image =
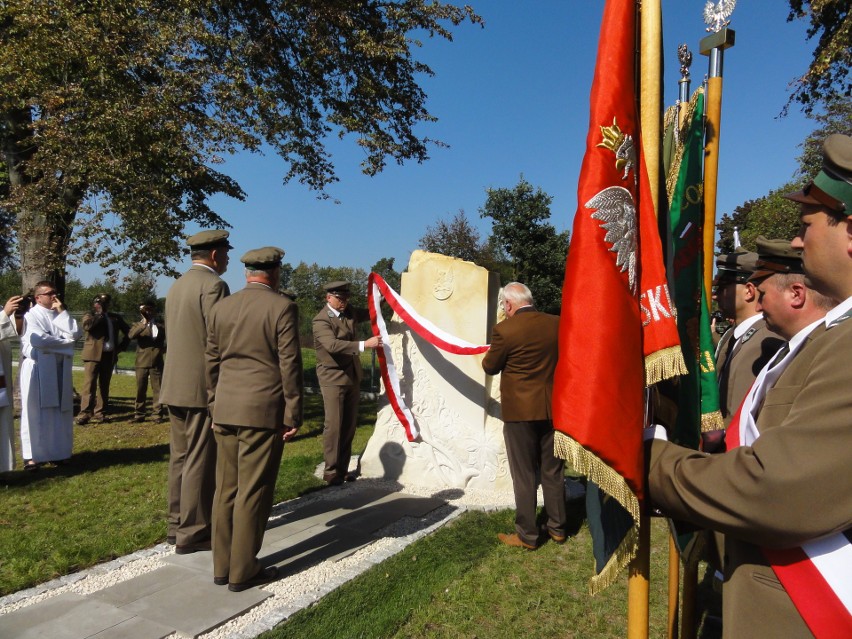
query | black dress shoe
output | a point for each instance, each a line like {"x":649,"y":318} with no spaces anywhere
{"x":333,"y":480}
{"x":171,"y":540}
{"x":264,"y":576}
{"x":220,"y":581}
{"x":188,"y":549}
{"x":351,"y":476}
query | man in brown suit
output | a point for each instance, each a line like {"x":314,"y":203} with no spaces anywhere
{"x":150,"y":336}
{"x":255,"y":389}
{"x":524,"y":350}
{"x":339,"y":373}
{"x":749,"y":344}
{"x":784,"y":500}
{"x":192,"y":449}
{"x":100,"y":353}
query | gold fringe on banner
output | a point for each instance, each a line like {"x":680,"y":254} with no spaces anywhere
{"x":664,"y":364}
{"x":613,"y":484}
{"x":712,"y":421}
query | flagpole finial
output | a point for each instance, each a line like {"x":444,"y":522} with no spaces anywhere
{"x":716,"y":14}
{"x":684,"y":56}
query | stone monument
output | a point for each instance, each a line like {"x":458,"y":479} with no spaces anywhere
{"x":454,"y":403}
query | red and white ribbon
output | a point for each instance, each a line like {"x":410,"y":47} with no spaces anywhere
{"x":378,"y":290}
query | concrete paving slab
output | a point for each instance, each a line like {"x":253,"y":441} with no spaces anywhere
{"x":195,"y":605}
{"x":66,"y":616}
{"x":136,"y":628}
{"x":201,"y":562}
{"x":145,"y":585}
{"x":312,"y":546}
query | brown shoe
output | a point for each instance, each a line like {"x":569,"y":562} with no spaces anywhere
{"x":188,"y":549}
{"x":556,"y":539}
{"x":264,"y":576}
{"x":82,"y":420}
{"x":515,"y":541}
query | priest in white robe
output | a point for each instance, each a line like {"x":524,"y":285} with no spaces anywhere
{"x":8,"y":331}
{"x":47,"y":394}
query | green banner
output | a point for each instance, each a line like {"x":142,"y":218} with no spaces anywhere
{"x":698,"y":392}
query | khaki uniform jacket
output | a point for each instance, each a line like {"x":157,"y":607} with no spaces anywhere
{"x":524,"y":348}
{"x":791,"y":486}
{"x":97,"y":333}
{"x":188,"y":305}
{"x":757,"y":346}
{"x":254,"y":360}
{"x":149,"y":349}
{"x":338,"y":355}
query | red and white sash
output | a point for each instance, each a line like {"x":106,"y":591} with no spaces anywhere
{"x":377,"y":290}
{"x":818,"y":574}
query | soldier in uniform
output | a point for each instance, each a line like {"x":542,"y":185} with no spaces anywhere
{"x":192,"y":449}
{"x":749,"y":344}
{"x":100,"y":354}
{"x":339,"y":373}
{"x":150,"y":336}
{"x":783,"y":496}
{"x":255,"y":391}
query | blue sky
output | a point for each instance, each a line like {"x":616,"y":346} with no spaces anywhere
{"x":512,"y":99}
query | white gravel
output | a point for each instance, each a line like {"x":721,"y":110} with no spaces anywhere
{"x":297,"y":591}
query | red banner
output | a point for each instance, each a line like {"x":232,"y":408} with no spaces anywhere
{"x":617,"y":331}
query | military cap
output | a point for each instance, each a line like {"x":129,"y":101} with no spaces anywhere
{"x":210,"y":239}
{"x":776,"y":256}
{"x":151,"y":303}
{"x":832,"y":187}
{"x":103,"y":298}
{"x":738,"y":265}
{"x":263,"y":259}
{"x":286,"y":292}
{"x":338,"y":286}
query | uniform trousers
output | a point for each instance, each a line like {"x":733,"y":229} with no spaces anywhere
{"x":96,"y":377}
{"x":529,"y":448}
{"x":143,"y":374}
{"x":341,"y":417}
{"x":246,"y":469}
{"x":192,"y":475}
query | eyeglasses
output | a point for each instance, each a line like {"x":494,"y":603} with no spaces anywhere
{"x":48,"y":293}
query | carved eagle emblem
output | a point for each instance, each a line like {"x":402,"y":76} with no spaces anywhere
{"x":617,"y":214}
{"x":716,"y":14}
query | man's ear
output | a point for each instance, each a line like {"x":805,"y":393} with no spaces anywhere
{"x":798,"y":294}
{"x":750,"y":292}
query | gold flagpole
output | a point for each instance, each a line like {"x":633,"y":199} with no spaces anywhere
{"x":650,"y":102}
{"x":713,"y":46}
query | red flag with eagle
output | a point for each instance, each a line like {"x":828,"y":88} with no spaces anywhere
{"x":617,"y":330}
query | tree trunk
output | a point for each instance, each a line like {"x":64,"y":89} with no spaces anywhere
{"x":42,"y":236}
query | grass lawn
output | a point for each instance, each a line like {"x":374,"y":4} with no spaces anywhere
{"x":458,"y":582}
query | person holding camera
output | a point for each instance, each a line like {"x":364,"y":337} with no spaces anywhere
{"x":100,"y":354}
{"x":47,"y":394}
{"x":150,"y":336}
{"x":10,"y":327}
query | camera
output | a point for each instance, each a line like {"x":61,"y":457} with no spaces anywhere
{"x":26,"y":304}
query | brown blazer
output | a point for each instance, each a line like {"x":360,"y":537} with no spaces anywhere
{"x":254,"y":360}
{"x":149,"y":349}
{"x":754,"y":350}
{"x":97,"y":334}
{"x":338,"y":356}
{"x":791,"y":486}
{"x":188,"y":305}
{"x":524,"y":348}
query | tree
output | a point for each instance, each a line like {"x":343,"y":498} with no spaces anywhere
{"x":837,"y":118}
{"x":535,"y":250}
{"x":456,"y":238}
{"x":113,"y":114}
{"x":384,"y":267}
{"x":772,"y":216}
{"x":827,"y":77}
